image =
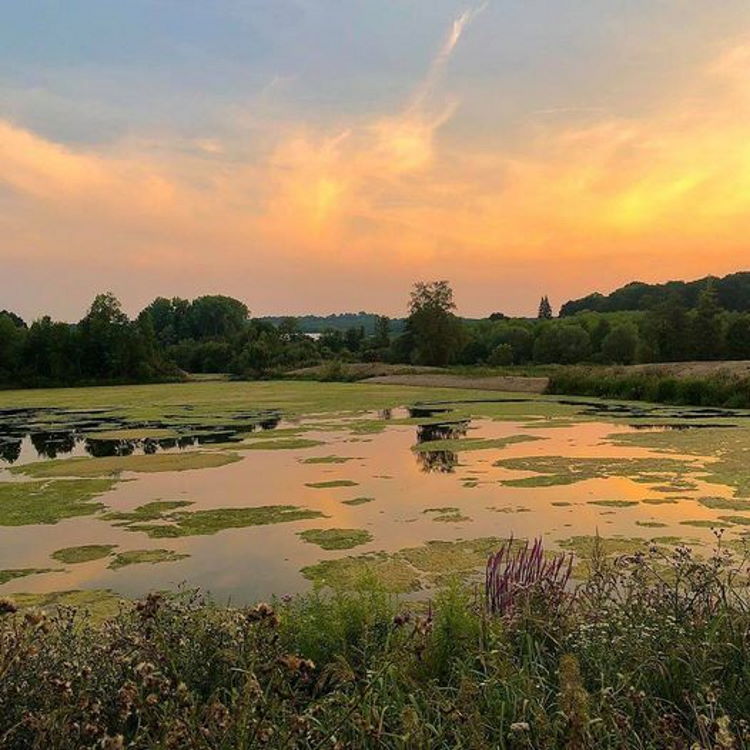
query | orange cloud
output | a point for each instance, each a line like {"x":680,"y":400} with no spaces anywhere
{"x":394,"y":192}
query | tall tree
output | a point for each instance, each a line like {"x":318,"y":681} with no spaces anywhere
{"x":707,"y":327}
{"x":437,"y":332}
{"x":382,"y":337}
{"x":545,"y":309}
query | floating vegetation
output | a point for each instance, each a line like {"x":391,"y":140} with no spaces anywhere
{"x":358,"y":500}
{"x":336,"y":538}
{"x":206,"y":522}
{"x":331,"y":484}
{"x":614,"y":503}
{"x":151,"y":556}
{"x":724,"y":503}
{"x":730,"y":446}
{"x":408,"y":569}
{"x":327,"y":459}
{"x":11,"y":574}
{"x":662,"y":500}
{"x":511,"y":508}
{"x":472,"y":444}
{"x":98,"y":604}
{"x":83,"y":553}
{"x":279,"y":445}
{"x":651,"y":524}
{"x":701,"y":523}
{"x":133,"y":433}
{"x":561,"y":470}
{"x":100,"y":467}
{"x":152,"y":511}
{"x":447,"y":514}
{"x":28,"y":503}
{"x":736,"y":520}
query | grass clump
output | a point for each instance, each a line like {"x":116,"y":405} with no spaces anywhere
{"x":48,"y":502}
{"x":336,"y":538}
{"x":151,"y":556}
{"x":100,"y":467}
{"x":83,"y":553}
{"x":614,"y":503}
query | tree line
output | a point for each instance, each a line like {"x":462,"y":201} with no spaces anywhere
{"x":215,"y":333}
{"x":732,"y":292}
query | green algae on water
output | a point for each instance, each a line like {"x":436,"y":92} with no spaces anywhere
{"x":407,"y":570}
{"x":13,"y":573}
{"x":358,"y":501}
{"x":152,"y":511}
{"x":614,"y":503}
{"x":472,"y":444}
{"x":207,"y":522}
{"x":83,"y":553}
{"x":331,"y":484}
{"x":48,"y":502}
{"x":151,"y":556}
{"x":100,"y":467}
{"x":336,"y":538}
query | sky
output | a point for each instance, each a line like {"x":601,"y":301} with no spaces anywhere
{"x":318,"y":156}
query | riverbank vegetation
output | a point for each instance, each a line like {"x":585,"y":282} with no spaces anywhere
{"x":650,"y":651}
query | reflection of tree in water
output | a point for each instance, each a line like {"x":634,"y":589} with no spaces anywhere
{"x":10,"y":450}
{"x":441,"y":431}
{"x":106,"y":448}
{"x":442,"y":461}
{"x":50,"y":444}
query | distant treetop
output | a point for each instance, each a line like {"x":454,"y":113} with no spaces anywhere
{"x":732,"y":293}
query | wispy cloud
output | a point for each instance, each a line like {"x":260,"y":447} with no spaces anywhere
{"x":441,"y":59}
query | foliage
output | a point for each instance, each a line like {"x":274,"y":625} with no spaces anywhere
{"x":722,"y":389}
{"x":435,"y":331}
{"x":649,"y":652}
{"x":733,"y":293}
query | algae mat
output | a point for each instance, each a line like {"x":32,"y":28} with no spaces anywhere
{"x":251,"y":489}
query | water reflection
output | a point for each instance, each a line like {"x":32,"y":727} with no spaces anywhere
{"x":443,"y":460}
{"x":21,"y":438}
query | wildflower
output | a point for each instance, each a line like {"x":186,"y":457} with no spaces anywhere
{"x":520,"y":726}
{"x":113,"y":743}
{"x":263,"y":613}
{"x":401,"y":619}
{"x":33,"y":616}
{"x":148,"y":607}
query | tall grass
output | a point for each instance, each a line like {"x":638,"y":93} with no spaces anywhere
{"x":652,"y":651}
{"x":720,"y":390}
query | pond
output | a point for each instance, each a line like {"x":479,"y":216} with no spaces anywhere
{"x":272,"y":497}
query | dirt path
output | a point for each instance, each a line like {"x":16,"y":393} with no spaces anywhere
{"x":441,"y":380}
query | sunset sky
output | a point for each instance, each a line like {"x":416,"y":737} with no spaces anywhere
{"x":321,"y":155}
